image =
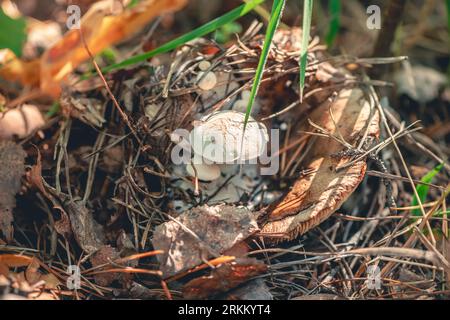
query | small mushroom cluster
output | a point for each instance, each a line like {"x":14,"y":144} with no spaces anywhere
{"x":220,"y":139}
{"x":223,"y":158}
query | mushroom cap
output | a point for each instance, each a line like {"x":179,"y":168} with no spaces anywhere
{"x":220,"y":137}
{"x":204,"y":65}
{"x":206,"y":81}
{"x":203,"y":171}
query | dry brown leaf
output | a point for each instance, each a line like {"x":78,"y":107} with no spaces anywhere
{"x":20,"y":122}
{"x":75,"y":219}
{"x":88,"y":232}
{"x":100,"y":29}
{"x":105,"y":255}
{"x":16,"y":70}
{"x":199,"y":234}
{"x":34,"y":179}
{"x":315,"y":197}
{"x":223,"y":278}
{"x":32,"y":275}
{"x":15,"y":260}
{"x":12,"y":167}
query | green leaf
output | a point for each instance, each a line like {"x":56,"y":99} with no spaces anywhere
{"x":12,"y":33}
{"x":307,"y":14}
{"x":422,"y":189}
{"x":132,"y":3}
{"x":275,"y":16}
{"x":54,"y":109}
{"x":335,"y":22}
{"x":194,"y":34}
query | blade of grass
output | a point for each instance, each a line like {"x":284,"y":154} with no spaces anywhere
{"x":307,"y":13}
{"x":275,"y":16}
{"x":448,"y":14}
{"x":194,"y":34}
{"x":335,"y":22}
{"x":13,"y":33}
{"x":422,"y":189}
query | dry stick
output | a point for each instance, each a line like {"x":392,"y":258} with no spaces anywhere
{"x":380,"y":145}
{"x":353,"y":218}
{"x":166,"y":290}
{"x":92,"y":166}
{"x":395,"y":177}
{"x":113,"y":98}
{"x":400,"y":252}
{"x":442,"y":260}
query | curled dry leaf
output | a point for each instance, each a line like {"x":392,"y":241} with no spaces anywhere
{"x":101,"y":27}
{"x":12,"y":168}
{"x":20,"y":122}
{"x":16,"y":70}
{"x":75,"y":219}
{"x":314,"y":197}
{"x":15,"y":260}
{"x":199,"y":234}
{"x":32,"y":273}
{"x":88,"y":232}
{"x":35,"y":180}
{"x":105,"y":255}
{"x":224,"y":278}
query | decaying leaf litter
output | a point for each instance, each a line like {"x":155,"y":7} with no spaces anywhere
{"x":99,"y":188}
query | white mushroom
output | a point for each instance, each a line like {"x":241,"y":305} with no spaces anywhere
{"x":220,"y":138}
{"x":206,"y":81}
{"x":204,"y":65}
{"x":20,"y":121}
{"x":203,"y":171}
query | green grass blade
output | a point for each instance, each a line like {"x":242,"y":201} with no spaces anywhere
{"x":275,"y":16}
{"x":422,"y":190}
{"x":194,"y":34}
{"x":307,"y":14}
{"x":335,"y":22}
{"x":448,"y":14}
{"x":12,"y":33}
